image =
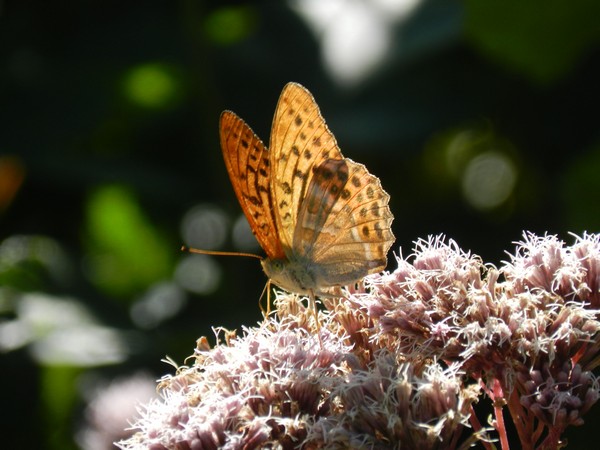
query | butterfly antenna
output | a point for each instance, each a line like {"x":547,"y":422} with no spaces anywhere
{"x":185,"y":248}
{"x":267,"y":288}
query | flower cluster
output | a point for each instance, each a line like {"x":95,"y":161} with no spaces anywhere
{"x":400,"y":359}
{"x":264,"y":388}
{"x":531,"y":339}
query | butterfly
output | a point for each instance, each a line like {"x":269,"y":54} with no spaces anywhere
{"x":322,"y":219}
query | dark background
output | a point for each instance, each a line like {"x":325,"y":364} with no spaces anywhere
{"x":480,"y":119}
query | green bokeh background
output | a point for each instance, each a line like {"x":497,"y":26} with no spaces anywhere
{"x":109,"y":135}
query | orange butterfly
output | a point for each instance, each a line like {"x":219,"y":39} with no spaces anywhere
{"x":322,"y":219}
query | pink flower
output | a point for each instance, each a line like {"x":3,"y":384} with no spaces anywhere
{"x":401,"y":358}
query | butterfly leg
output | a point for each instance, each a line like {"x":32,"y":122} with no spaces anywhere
{"x":267,"y":312}
{"x":315,"y":311}
{"x":266,"y":289}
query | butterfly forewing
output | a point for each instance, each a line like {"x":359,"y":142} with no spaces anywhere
{"x":300,"y":140}
{"x":249,"y":167}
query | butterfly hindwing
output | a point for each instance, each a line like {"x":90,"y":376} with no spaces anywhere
{"x":360,"y":222}
{"x":344,"y":222}
{"x":326,"y":186}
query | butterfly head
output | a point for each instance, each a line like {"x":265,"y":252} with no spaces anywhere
{"x":293,"y":276}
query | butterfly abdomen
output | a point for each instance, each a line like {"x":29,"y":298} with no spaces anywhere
{"x":303,"y":276}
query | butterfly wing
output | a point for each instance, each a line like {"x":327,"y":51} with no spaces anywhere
{"x":249,"y":167}
{"x":344,"y":222}
{"x":300,"y":141}
{"x":331,"y":211}
{"x":323,"y":194}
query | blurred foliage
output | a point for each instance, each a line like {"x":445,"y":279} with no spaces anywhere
{"x":125,"y":253}
{"x":478,"y":116}
{"x":542,"y":39}
{"x":58,"y":400}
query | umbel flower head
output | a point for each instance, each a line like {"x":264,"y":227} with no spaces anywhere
{"x":400,"y":360}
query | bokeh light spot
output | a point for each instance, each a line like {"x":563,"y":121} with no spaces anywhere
{"x":152,"y":86}
{"x":461,"y":147}
{"x":489,"y":180}
{"x":12,"y":173}
{"x":476,"y":163}
{"x":205,"y":227}
{"x":161,"y":302}
{"x":199,"y":274}
{"x":242,"y":236}
{"x":230,"y":24}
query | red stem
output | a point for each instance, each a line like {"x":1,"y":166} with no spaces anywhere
{"x":498,"y":402}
